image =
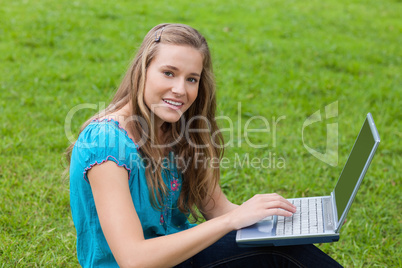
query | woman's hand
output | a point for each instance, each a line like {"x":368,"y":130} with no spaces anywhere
{"x":258,"y":207}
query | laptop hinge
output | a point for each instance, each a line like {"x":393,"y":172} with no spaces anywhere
{"x":334,"y":211}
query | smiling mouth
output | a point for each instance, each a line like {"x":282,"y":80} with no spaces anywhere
{"x":175,"y":103}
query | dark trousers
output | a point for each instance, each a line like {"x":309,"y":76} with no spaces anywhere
{"x":226,"y":253}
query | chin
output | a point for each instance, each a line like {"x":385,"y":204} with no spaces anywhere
{"x":171,"y":120}
{"x":168,"y":119}
{"x":171,"y":117}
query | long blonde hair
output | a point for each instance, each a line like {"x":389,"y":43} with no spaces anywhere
{"x":199,"y":181}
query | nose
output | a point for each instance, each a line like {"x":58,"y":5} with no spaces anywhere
{"x":179,"y":88}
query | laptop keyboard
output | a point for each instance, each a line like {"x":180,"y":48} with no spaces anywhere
{"x":306,"y":220}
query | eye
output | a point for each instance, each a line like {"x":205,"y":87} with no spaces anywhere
{"x":167,"y":73}
{"x":192,"y":80}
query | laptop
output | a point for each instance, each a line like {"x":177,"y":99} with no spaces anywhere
{"x":318,"y":219}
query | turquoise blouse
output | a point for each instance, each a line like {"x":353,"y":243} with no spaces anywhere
{"x":103,"y":141}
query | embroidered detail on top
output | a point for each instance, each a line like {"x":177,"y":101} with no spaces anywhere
{"x":174,"y":184}
{"x":175,"y":187}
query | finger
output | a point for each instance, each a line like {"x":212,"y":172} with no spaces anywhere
{"x":278,"y":197}
{"x":280,"y":202}
{"x":279,"y":212}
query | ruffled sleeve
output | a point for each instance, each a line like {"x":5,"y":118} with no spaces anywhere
{"x":100,"y":142}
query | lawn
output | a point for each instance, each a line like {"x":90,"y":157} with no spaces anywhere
{"x":276,"y":63}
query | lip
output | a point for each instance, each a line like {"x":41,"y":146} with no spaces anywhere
{"x":172,"y":106}
{"x":175,"y":100}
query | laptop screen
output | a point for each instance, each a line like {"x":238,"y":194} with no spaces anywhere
{"x":356,"y":166}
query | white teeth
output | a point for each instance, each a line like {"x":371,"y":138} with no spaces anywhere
{"x":173,"y":102}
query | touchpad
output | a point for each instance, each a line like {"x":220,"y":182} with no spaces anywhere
{"x":265,"y":225}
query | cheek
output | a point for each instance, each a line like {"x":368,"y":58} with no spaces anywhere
{"x":193,"y":95}
{"x":148,"y":96}
{"x":150,"y":90}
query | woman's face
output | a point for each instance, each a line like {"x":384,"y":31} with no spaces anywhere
{"x":172,"y":82}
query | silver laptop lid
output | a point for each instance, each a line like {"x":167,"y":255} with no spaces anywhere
{"x":355,"y":168}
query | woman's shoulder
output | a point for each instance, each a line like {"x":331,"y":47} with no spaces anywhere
{"x":120,"y":119}
{"x":103,"y":139}
{"x":105,"y":128}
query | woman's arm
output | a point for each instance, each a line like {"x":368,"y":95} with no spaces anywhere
{"x":122,"y":228}
{"x":216,"y":205}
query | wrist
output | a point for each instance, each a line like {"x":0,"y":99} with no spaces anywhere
{"x":228,"y":222}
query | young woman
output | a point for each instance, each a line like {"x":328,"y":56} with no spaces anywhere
{"x":149,"y":160}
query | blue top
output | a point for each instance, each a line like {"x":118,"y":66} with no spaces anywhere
{"x":103,"y":141}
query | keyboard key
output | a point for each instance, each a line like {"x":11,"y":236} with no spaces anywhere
{"x":307,"y":219}
{"x":279,"y":231}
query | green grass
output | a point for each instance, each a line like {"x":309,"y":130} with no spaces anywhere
{"x":277,"y":58}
